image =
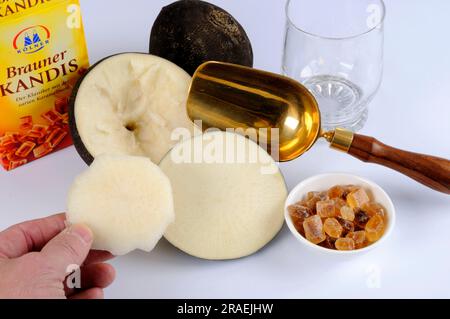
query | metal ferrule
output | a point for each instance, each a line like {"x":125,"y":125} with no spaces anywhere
{"x":342,"y":140}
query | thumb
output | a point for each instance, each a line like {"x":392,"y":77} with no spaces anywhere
{"x":70,"y":247}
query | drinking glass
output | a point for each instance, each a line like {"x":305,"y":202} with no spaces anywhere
{"x":335,"y":48}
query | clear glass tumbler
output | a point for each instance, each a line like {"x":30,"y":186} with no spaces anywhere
{"x":335,"y":48}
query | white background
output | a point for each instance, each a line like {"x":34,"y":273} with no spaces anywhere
{"x":412,"y":111}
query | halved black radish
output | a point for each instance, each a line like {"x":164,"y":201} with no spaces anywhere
{"x":129,"y":104}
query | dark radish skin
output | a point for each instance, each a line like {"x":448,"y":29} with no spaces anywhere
{"x":191,"y":32}
{"x":77,"y":142}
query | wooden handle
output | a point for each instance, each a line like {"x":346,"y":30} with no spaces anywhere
{"x":431,"y":171}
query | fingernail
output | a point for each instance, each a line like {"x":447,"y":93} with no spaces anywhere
{"x":83,"y":232}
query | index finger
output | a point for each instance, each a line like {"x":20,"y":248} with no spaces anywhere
{"x":30,"y":236}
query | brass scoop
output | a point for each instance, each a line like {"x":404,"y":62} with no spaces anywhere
{"x":225,"y":96}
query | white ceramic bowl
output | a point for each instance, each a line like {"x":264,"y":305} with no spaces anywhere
{"x":323,"y":183}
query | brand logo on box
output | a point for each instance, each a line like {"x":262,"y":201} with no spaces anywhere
{"x":32,"y":39}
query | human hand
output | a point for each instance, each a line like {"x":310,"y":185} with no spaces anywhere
{"x":35,"y":256}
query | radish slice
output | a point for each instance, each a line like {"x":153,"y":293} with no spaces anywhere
{"x":224,"y":209}
{"x":126,"y":201}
